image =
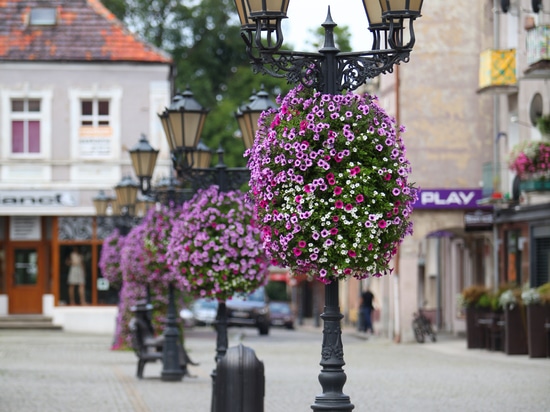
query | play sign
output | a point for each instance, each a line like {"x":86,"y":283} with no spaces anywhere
{"x":448,"y":199}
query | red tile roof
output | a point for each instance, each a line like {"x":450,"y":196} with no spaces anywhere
{"x":85,"y":31}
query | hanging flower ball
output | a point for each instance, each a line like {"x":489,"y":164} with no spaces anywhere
{"x":133,"y":257}
{"x":215,"y":245}
{"x":109,"y":261}
{"x":329,"y":181}
{"x":157,"y":226}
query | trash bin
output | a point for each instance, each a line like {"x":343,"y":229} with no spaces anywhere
{"x":240,"y":381}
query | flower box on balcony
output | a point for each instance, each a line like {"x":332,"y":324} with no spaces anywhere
{"x":534,"y":185}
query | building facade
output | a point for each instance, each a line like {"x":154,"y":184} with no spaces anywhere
{"x":522,"y":220}
{"x":76,"y":92}
{"x":475,"y":85}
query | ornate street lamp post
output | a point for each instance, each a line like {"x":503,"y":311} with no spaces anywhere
{"x":183,"y":122}
{"x":329,"y":71}
{"x":123,"y":206}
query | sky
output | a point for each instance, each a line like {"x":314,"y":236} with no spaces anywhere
{"x":305,"y":15}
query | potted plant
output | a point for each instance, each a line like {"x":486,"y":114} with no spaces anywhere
{"x":515,"y":322}
{"x":543,"y":124}
{"x":537,"y":302}
{"x":477,"y":303}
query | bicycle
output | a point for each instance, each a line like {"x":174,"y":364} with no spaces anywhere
{"x":422,"y":327}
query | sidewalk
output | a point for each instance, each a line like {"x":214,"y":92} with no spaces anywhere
{"x":46,"y":371}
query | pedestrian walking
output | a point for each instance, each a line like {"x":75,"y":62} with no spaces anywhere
{"x":367,"y":306}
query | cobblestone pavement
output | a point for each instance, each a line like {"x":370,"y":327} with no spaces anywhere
{"x":47,"y":371}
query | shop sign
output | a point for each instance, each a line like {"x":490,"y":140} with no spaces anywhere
{"x":25,"y":228}
{"x":478,"y":220}
{"x":448,"y":198}
{"x":45,"y":198}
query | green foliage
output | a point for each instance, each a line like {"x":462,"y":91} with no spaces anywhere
{"x":543,"y":124}
{"x":117,"y":7}
{"x":475,"y":296}
{"x":544,"y":292}
{"x":484,"y":301}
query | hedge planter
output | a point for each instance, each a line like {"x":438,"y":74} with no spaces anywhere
{"x":536,"y":333}
{"x":515,"y":331}
{"x":474,"y":332}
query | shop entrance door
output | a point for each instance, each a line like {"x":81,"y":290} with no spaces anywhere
{"x":25,"y":284}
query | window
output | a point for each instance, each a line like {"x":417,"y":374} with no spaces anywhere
{"x":540,"y":272}
{"x":95,"y":126}
{"x":25,"y":126}
{"x":513,"y":257}
{"x":95,"y":131}
{"x":94,"y":113}
{"x":42,"y":16}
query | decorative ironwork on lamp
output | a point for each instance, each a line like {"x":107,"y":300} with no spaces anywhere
{"x":389,"y":19}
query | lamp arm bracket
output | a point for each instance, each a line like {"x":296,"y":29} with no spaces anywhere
{"x":230,"y":178}
{"x":352,"y":68}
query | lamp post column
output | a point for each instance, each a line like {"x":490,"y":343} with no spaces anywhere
{"x":332,"y":377}
{"x":222,"y":343}
{"x":171,"y":369}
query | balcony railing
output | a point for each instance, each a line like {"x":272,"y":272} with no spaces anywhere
{"x":538,"y":51}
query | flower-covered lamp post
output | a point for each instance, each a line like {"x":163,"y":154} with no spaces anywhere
{"x":328,"y":171}
{"x":182,"y":122}
{"x":183,"y":126}
{"x":215,"y":248}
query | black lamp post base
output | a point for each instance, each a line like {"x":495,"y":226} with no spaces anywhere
{"x":332,"y":404}
{"x":332,"y":376}
{"x":172,"y":375}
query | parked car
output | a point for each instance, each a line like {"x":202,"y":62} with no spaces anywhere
{"x":281,"y":314}
{"x":249,"y":310}
{"x":204,"y":311}
{"x":188,"y":318}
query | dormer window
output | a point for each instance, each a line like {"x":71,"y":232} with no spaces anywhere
{"x":42,"y":16}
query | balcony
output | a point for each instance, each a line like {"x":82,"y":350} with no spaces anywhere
{"x":538,"y":52}
{"x":497,"y":72}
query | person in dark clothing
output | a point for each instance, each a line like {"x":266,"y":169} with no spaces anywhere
{"x":367,"y":306}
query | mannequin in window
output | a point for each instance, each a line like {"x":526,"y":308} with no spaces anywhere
{"x":77,"y":276}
